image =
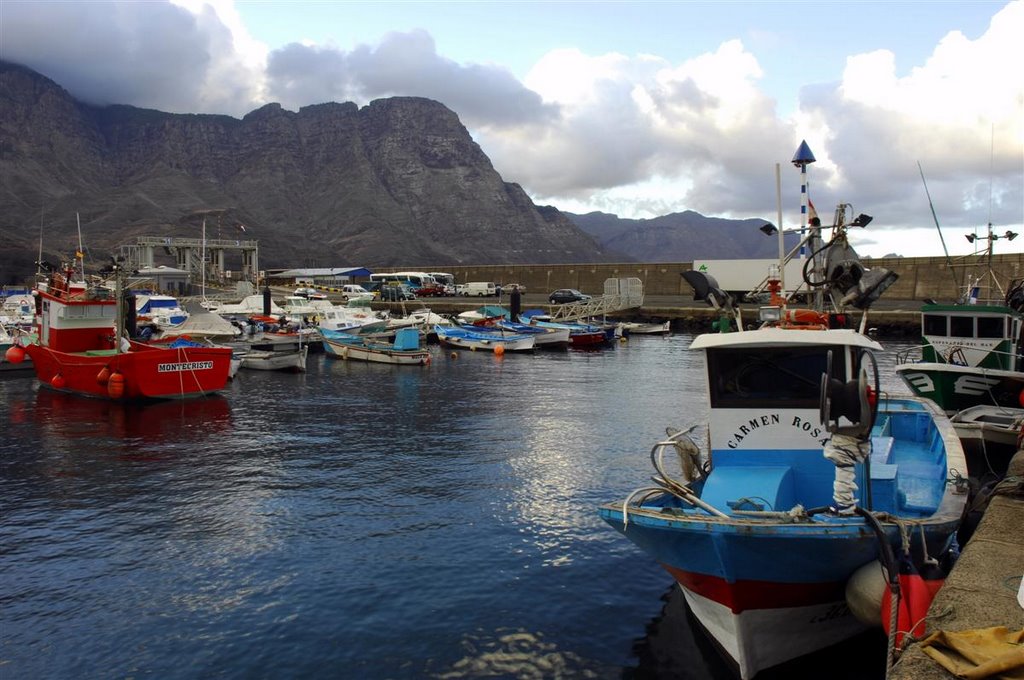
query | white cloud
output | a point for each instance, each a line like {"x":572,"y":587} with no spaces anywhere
{"x":635,"y":134}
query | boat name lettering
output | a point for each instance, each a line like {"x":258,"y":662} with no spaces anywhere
{"x":768,"y":419}
{"x":184,"y":366}
{"x":751,"y":425}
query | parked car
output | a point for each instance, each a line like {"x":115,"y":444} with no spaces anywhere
{"x":351,"y":291}
{"x":395,"y":292}
{"x":507,"y":287}
{"x":430,"y":290}
{"x":310,"y":294}
{"x":564,"y":295}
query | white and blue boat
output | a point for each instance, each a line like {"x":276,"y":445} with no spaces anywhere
{"x":404,"y":351}
{"x":807,"y":476}
{"x":462,"y":337}
{"x":163,"y":310}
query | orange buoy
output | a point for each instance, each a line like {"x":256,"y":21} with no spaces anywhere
{"x":1020,"y":397}
{"x":454,"y":355}
{"x":103,"y":376}
{"x":58,"y":381}
{"x":499,"y":350}
{"x":115,"y":386}
{"x":15,"y":354}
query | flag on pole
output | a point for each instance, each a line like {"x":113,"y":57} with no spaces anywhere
{"x":812,"y":214}
{"x":79,"y":254}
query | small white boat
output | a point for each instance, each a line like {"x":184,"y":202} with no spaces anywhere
{"x":990,"y":436}
{"x":351,"y":319}
{"x":646,"y":328}
{"x":463,"y":338}
{"x":293,"y":360}
{"x":404,"y":351}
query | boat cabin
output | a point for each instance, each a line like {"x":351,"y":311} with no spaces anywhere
{"x":74,"y":318}
{"x":986,"y":336}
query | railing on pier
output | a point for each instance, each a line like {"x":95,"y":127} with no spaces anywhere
{"x":619,"y":294}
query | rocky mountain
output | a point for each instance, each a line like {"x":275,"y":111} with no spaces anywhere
{"x":681,"y":237}
{"x":397,"y":182}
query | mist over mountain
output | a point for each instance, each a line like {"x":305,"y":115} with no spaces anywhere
{"x":397,"y":182}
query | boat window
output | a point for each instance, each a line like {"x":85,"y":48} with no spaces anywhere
{"x":961,"y":327}
{"x":753,"y":377}
{"x":991,"y":327}
{"x":934,"y":324}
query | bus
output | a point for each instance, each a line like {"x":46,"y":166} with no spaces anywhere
{"x":421,"y":283}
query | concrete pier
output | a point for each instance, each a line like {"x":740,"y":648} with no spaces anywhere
{"x":981,"y":591}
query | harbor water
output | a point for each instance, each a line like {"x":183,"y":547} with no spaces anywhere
{"x":357,"y":521}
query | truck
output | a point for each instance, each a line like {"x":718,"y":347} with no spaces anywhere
{"x":739,"y":277}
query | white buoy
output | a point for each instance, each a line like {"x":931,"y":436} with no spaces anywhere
{"x":864,"y":592}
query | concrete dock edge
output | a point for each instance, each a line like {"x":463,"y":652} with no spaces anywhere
{"x":981,"y":590}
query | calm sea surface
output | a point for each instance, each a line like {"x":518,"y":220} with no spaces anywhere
{"x":356,"y":521}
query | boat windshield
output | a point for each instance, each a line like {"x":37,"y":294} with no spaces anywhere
{"x":781,"y":377}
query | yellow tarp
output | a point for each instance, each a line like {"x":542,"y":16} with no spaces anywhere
{"x":981,"y":653}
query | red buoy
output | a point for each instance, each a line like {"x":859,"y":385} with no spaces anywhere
{"x":103,"y":376}
{"x":58,"y":381}
{"x":916,"y":595}
{"x":115,"y":386}
{"x":15,"y":354}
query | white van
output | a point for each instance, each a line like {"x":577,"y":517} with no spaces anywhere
{"x":479,"y":289}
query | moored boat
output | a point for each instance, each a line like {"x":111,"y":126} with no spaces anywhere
{"x":81,"y":349}
{"x":991,"y":435}
{"x":461,"y":337}
{"x":647,"y":327}
{"x":404,"y":351}
{"x":289,"y":360}
{"x":810,"y":477}
{"x":969,"y":355}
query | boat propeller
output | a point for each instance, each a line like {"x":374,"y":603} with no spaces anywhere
{"x":855,"y":400}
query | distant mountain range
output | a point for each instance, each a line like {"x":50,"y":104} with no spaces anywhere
{"x":681,"y":237}
{"x":397,"y":182}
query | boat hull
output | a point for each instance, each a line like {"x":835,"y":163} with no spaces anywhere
{"x":766,"y":579}
{"x":148,"y":372}
{"x":375,"y":354}
{"x":489,"y":342}
{"x":955,"y":388}
{"x":276,"y":360}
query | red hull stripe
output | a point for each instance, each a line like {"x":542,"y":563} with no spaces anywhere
{"x":743,"y":595}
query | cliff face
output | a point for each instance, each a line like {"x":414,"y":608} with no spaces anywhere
{"x":399,"y":181}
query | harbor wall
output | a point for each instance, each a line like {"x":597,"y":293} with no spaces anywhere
{"x":919,"y":277}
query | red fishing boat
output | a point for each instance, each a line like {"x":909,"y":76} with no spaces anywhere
{"x":81,"y":349}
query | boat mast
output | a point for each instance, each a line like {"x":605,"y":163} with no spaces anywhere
{"x":202,"y":263}
{"x":80,"y":254}
{"x":119,"y":297}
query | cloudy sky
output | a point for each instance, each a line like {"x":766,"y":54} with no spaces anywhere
{"x":632,"y":108}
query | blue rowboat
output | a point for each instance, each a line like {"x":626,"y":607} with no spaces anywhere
{"x":460,"y":337}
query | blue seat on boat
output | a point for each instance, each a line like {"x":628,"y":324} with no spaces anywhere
{"x":884,"y":492}
{"x":407,"y":339}
{"x":750,"y":487}
{"x":881,"y":449}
